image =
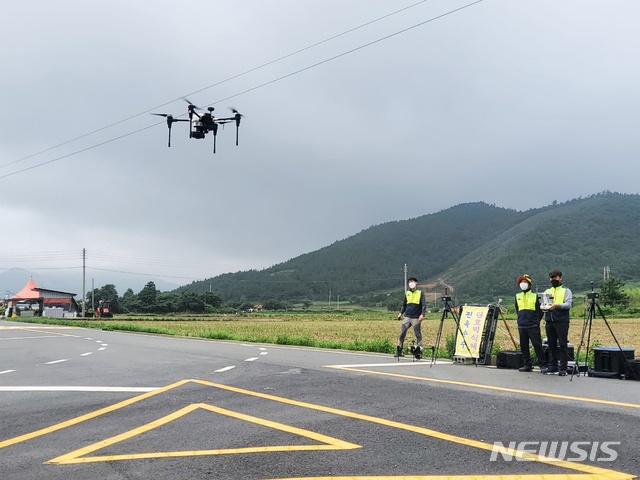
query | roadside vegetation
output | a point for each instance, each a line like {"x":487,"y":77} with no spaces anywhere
{"x":356,"y":329}
{"x":344,"y":325}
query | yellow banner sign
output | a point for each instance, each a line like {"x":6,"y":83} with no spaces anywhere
{"x":469,"y":335}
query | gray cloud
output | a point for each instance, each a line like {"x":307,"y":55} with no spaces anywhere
{"x":513,"y":103}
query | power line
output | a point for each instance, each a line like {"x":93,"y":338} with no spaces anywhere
{"x":110,"y":258}
{"x":140,"y":274}
{"x":304,"y":69}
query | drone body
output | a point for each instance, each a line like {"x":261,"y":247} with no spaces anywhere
{"x":201,"y":124}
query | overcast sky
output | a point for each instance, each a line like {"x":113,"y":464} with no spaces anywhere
{"x":512,"y":103}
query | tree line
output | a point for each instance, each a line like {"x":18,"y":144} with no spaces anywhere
{"x":151,"y":300}
{"x":613,"y":298}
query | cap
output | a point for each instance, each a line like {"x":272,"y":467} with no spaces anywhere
{"x":555,"y":273}
{"x":526,"y":277}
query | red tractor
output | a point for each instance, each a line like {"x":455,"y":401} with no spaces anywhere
{"x":104,"y":309}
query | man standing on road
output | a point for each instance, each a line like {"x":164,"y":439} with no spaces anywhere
{"x":412,"y":313}
{"x":557,"y":323}
{"x":529,"y":316}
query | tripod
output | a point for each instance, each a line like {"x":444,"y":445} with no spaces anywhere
{"x":446,"y":310}
{"x":589,"y":315}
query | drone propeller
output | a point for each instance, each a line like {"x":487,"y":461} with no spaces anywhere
{"x":191,"y":104}
{"x":170,"y":121}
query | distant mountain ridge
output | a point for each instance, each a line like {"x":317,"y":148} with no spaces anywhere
{"x":476,"y":248}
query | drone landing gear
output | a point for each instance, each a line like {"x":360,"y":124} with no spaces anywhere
{"x":399,"y":352}
{"x":416,"y":351}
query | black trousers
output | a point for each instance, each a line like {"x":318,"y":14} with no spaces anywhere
{"x":532,"y":335}
{"x":557,"y":337}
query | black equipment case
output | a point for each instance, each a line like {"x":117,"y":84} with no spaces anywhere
{"x":509,"y":359}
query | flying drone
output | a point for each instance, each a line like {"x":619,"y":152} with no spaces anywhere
{"x":203,"y":123}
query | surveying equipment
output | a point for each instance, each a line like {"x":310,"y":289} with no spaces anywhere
{"x":446,"y":310}
{"x":589,"y":315}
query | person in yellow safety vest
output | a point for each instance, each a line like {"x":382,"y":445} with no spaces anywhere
{"x":529,"y":316}
{"x":557,"y":323}
{"x":412,"y":313}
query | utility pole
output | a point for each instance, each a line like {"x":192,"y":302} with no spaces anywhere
{"x":404,"y":285}
{"x":84,"y":273}
{"x":329,"y":298}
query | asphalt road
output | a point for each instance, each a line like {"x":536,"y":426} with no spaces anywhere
{"x":87,"y":404}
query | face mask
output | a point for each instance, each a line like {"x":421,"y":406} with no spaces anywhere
{"x":555,"y":283}
{"x":412,"y":285}
{"x":524,"y":286}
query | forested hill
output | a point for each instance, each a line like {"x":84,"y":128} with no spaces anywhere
{"x":475,"y":248}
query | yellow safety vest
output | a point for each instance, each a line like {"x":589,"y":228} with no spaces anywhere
{"x":557,"y":293}
{"x":414,"y":297}
{"x":526,"y":300}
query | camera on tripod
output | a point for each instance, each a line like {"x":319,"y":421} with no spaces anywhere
{"x":593,"y":295}
{"x":446,"y":298}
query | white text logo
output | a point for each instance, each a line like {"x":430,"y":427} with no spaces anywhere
{"x":567,"y":451}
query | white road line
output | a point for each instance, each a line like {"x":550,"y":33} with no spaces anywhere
{"x":224,"y":369}
{"x":27,"y":338}
{"x":393,"y":364}
{"x":251,"y":359}
{"x":261,"y":348}
{"x":57,"y":361}
{"x":38,"y":327}
{"x":104,"y":345}
{"x":264,"y":353}
{"x":7,"y":371}
{"x":85,"y":354}
{"x":103,"y":348}
{"x":78,"y":389}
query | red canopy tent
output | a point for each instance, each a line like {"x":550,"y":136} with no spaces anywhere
{"x":31,"y":294}
{"x":28,"y":292}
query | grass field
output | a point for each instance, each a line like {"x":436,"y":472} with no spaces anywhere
{"x":374,"y":331}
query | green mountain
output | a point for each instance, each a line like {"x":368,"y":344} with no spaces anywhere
{"x":476,"y":249}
